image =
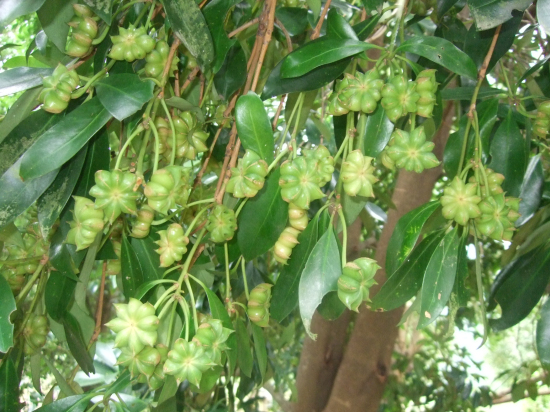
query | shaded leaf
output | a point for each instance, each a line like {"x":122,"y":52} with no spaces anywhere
{"x":543,"y":335}
{"x":254,"y":127}
{"x":490,"y":13}
{"x":102,"y":8}
{"x":338,"y":27}
{"x":148,"y":258}
{"x":232,"y":74}
{"x":366,"y":27}
{"x":260,"y":348}
{"x":6,"y":308}
{"x":378,"y":131}
{"x":75,"y":403}
{"x":467,"y":92}
{"x":12,"y":9}
{"x":21,"y":78}
{"x":331,"y":308}
{"x":78,"y":347}
{"x":443,"y":6}
{"x":214,"y":14}
{"x":9,"y":387}
{"x":293,"y":18}
{"x":352,"y":207}
{"x":97,"y":158}
{"x":531,"y":190}
{"x":19,"y":111}
{"x":124,"y":94}
{"x":54,"y":16}
{"x":132,"y":273}
{"x":244,"y":357}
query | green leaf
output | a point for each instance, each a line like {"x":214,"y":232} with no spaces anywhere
{"x":460,"y":289}
{"x":443,"y":6}
{"x":189,"y":25}
{"x":315,"y":79}
{"x":9,"y":387}
{"x":262,"y":219}
{"x":6,"y":308}
{"x":21,"y":78}
{"x":12,"y":9}
{"x":124,"y":94}
{"x":102,"y":8}
{"x":406,"y":234}
{"x":18,"y":195}
{"x":184,"y":105}
{"x":320,"y":276}
{"x":543,"y":335}
{"x":293,"y":18}
{"x":318,"y":53}
{"x":523,"y":283}
{"x":378,"y":131}
{"x":214,"y":13}
{"x":366,"y":27}
{"x":232,"y":74}
{"x":303,"y":115}
{"x":78,"y":347}
{"x":285,"y":291}
{"x":439,"y":279}
{"x":533,"y":69}
{"x":132,"y":273}
{"x":508,"y":155}
{"x":338,"y":27}
{"x":531,"y":190}
{"x":490,"y":13}
{"x":54,"y":16}
{"x":61,"y":142}
{"x":331,"y":308}
{"x":315,"y":7}
{"x":54,"y":199}
{"x":245,"y":360}
{"x":442,"y":52}
{"x":406,"y":281}
{"x":19,"y":111}
{"x":260,"y":348}
{"x":75,"y":403}
{"x":254,"y":127}
{"x":149,"y":260}
{"x":467,"y":92}
{"x":352,"y":207}
{"x":107,"y":251}
{"x":97,"y":158}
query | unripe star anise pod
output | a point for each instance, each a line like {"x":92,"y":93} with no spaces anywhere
{"x":222,"y":224}
{"x":114,"y":266}
{"x":354,"y":283}
{"x":84,"y":31}
{"x":497,"y":217}
{"x":212,"y":336}
{"x":87,"y":223}
{"x":143,"y":362}
{"x":322,"y":163}
{"x":135,"y":325}
{"x":357,"y":175}
{"x":173,"y":244}
{"x":156,"y":60}
{"x":167,"y":188}
{"x":156,"y":380}
{"x":131,"y":44}
{"x":58,"y":88}
{"x":190,"y":139}
{"x":335,"y":104}
{"x":15,"y":277}
{"x":494,"y":180}
{"x":114,"y":193}
{"x":35,"y":332}
{"x":411,"y":151}
{"x":362,"y":92}
{"x":460,"y":201}
{"x":248,"y":177}
{"x":187,"y":360}
{"x":541,"y":125}
{"x":258,"y":304}
{"x":399,"y":97}
{"x":288,"y":239}
{"x":297,"y":217}
{"x":299,"y":182}
{"x":145,"y":217}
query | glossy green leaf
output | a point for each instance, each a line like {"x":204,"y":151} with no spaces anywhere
{"x":285,"y":292}
{"x":293,"y":18}
{"x":254,"y":127}
{"x":21,"y":78}
{"x":531,"y":190}
{"x":543,"y":335}
{"x":405,"y":235}
{"x":148,"y":258}
{"x":61,"y":142}
{"x":378,"y":131}
{"x":244,"y":358}
{"x":18,"y":195}
{"x":97,"y":158}
{"x":132,"y":273}
{"x":406,"y":281}
{"x":338,"y":27}
{"x":365,"y":28}
{"x":260,"y":348}
{"x":54,"y":16}
{"x":102,"y":8}
{"x":490,"y":13}
{"x":320,"y":276}
{"x":232,"y":74}
{"x":6,"y":308}
{"x":523,"y":283}
{"x":9,"y":387}
{"x":78,"y":347}
{"x":331,"y":308}
{"x":124,"y":94}
{"x":75,"y":403}
{"x":12,"y":9}
{"x":19,"y":111}
{"x":190,"y":28}
{"x":508,"y":155}
{"x":439,"y":279}
{"x":54,"y":199}
{"x":467,"y":92}
{"x":442,"y":52}
{"x":315,"y":7}
{"x":214,"y":13}
{"x":315,"y":79}
{"x":320,"y":52}
{"x":262,"y":219}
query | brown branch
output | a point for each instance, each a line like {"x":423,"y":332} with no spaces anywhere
{"x":317,"y":30}
{"x":99,"y":310}
{"x":177,"y":83}
{"x":279,"y":109}
{"x":287,"y":34}
{"x":190,"y":77}
{"x":201,"y":93}
{"x":171,"y":55}
{"x":508,"y":397}
{"x":265,"y":31}
{"x":203,"y":2}
{"x":243,"y":27}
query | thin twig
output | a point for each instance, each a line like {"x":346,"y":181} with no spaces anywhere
{"x":268,"y":31}
{"x":243,"y":27}
{"x":99,"y":310}
{"x":287,"y":34}
{"x":190,"y":77}
{"x":170,"y":58}
{"x":279,"y":109}
{"x":201,"y":93}
{"x":317,"y":30}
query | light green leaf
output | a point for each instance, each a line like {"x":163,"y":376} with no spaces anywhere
{"x":490,"y":13}
{"x":21,"y":78}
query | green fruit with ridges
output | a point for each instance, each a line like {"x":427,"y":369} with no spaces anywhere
{"x":57,"y":90}
{"x":212,"y":336}
{"x":167,"y":187}
{"x":297,"y":217}
{"x":35,"y":333}
{"x":190,"y":139}
{"x":145,"y":217}
{"x":288,"y":239}
{"x":460,"y":201}
{"x":143,"y":362}
{"x":258,"y":304}
{"x":322,"y":163}
{"x":362,"y":92}
{"x":248,"y":177}
{"x":114,"y":193}
{"x":222,"y":224}
{"x":410,"y":151}
{"x":173,"y":244}
{"x":187,"y":360}
{"x":355,"y":282}
{"x":156,"y":60}
{"x":131,"y":44}
{"x":399,"y":97}
{"x":299,"y":182}
{"x":86,"y":224}
{"x":357,"y":175}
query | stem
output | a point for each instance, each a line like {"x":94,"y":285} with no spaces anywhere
{"x":227,"y":279}
{"x":317,"y":30}
{"x":361,"y":126}
{"x":171,"y":215}
{"x":173,"y":128}
{"x":245,"y":281}
{"x":480,"y":287}
{"x":287,"y":126}
{"x":172,"y":321}
{"x":240,"y":207}
{"x":185,"y":307}
{"x":98,"y":75}
{"x":208,"y":87}
{"x":344,"y":235}
{"x":23,"y":294}
{"x":190,"y":257}
{"x":157,"y":143}
{"x":102,"y":36}
{"x":167,"y":292}
{"x":193,"y":304}
{"x":138,"y":130}
{"x":195,"y":220}
{"x":277,"y":159}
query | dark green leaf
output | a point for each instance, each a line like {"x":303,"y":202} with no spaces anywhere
{"x":307,"y":104}
{"x":406,"y":281}
{"x":320,"y":276}
{"x":439,"y":279}
{"x":543,"y":335}
{"x":61,"y":142}
{"x":320,"y":52}
{"x":102,"y":8}
{"x":453,"y":148}
{"x":443,"y":6}
{"x":260,"y":348}
{"x":54,"y":199}
{"x":532,"y":69}
{"x":508,"y":155}
{"x":490,"y":13}
{"x":21,"y":78}
{"x":460,"y":289}
{"x":293,"y":18}
{"x":54,"y":16}
{"x":232,"y":73}
{"x":12,"y":9}
{"x":75,"y":340}
{"x":19,"y":111}
{"x":531,"y":190}
{"x":6,"y":308}
{"x":442,"y":52}
{"x":338,"y":27}
{"x":467,"y":92}
{"x":406,"y":234}
{"x":262,"y":219}
{"x":245,"y":359}
{"x":9,"y":387}
{"x":190,"y":27}
{"x":124,"y":94}
{"x":97,"y":158}
{"x":75,"y":403}
{"x":107,"y":251}
{"x":132,"y":273}
{"x":254,"y":127}
{"x":524,"y":282}
{"x":184,"y":105}
{"x":352,"y":207}
{"x":214,"y":14}
{"x":377,"y":132}
{"x":365,"y":28}
{"x":331,"y":308}
{"x":148,"y":258}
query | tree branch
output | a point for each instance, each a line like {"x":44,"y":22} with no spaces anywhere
{"x":278,"y":397}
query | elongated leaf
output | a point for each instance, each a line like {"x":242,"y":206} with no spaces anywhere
{"x":12,"y":9}
{"x":285,"y":291}
{"x":6,"y":308}
{"x":54,"y":199}
{"x":97,"y":158}
{"x":190,"y":27}
{"x":293,"y":18}
{"x":439,"y":279}
{"x":260,"y":348}
{"x":443,"y":6}
{"x":533,"y":69}
{"x":490,"y":13}
{"x":467,"y":92}
{"x":352,"y":207}
{"x":531,"y":190}
{"x":365,"y":28}
{"x":442,"y":52}
{"x":262,"y":219}
{"x":460,"y":290}
{"x":377,"y":132}
{"x":232,"y":73}
{"x":521,"y":286}
{"x":75,"y":340}
{"x":132,"y":273}
{"x":9,"y":387}
{"x":543,"y":335}
{"x":214,"y":14}
{"x":148,"y":258}
{"x":254,"y":127}
{"x":338,"y":27}
{"x":61,"y":142}
{"x":17,"y":195}
{"x":54,"y":16}
{"x":75,"y":403}
{"x":21,"y":78}
{"x":406,"y":234}
{"x":406,"y":281}
{"x":320,"y":276}
{"x":245,"y":360}
{"x":124,"y":94}
{"x":508,"y":155}
{"x":18,"y":111}
{"x":318,"y":53}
